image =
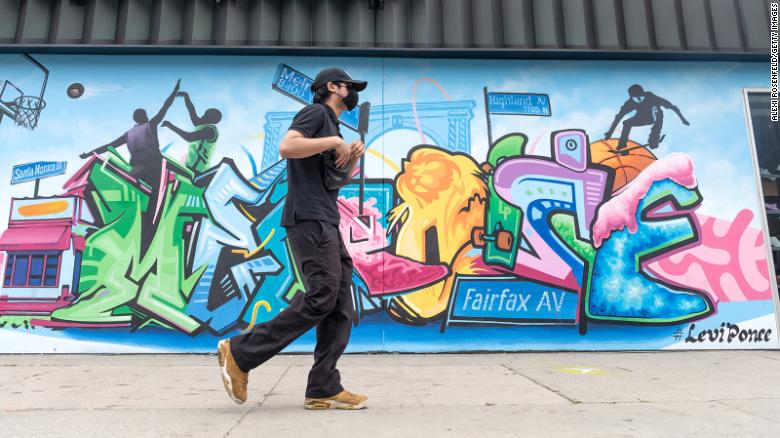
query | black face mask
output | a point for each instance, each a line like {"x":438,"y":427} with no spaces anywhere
{"x":351,"y":100}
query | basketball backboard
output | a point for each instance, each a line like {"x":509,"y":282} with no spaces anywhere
{"x":8,"y":95}
{"x":21,"y":75}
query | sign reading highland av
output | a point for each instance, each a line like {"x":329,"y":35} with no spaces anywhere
{"x":506,"y":300}
{"x":40,"y":169}
{"x":524,"y":104}
{"x":297,"y":85}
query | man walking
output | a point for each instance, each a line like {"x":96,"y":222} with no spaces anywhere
{"x":311,"y":219}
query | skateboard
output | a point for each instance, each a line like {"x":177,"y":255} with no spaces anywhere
{"x":627,"y":150}
{"x":500,"y":235}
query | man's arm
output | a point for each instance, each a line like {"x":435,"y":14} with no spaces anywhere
{"x":666,"y":104}
{"x":353,"y":162}
{"x":357,"y":150}
{"x":190,"y":108}
{"x":296,"y":145}
{"x":168,"y":102}
{"x":202,"y":134}
{"x":298,"y":142}
{"x":679,"y":114}
{"x":122,"y":139}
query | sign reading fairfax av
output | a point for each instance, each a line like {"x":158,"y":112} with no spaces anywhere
{"x":40,"y":169}
{"x":297,"y":85}
{"x":506,"y":300}
{"x":525,"y":104}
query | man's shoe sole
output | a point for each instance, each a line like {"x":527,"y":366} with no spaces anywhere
{"x":225,"y":376}
{"x":322,"y":405}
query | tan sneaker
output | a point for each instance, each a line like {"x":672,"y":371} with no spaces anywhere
{"x":343,"y":400}
{"x":234,"y":379}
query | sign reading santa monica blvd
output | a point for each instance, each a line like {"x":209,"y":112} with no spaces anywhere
{"x":40,"y":169}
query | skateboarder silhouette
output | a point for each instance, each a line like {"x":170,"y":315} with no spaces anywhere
{"x":649,"y":111}
{"x":203,"y":139}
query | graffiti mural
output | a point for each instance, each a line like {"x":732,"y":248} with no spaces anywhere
{"x":494,"y":214}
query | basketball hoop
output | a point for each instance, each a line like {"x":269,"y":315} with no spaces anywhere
{"x":28,"y":109}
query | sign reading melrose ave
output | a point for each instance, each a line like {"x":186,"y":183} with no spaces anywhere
{"x":297,"y":85}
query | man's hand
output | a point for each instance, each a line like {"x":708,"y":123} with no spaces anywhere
{"x":176,"y":88}
{"x":357,"y":149}
{"x":343,"y":153}
{"x":166,"y":124}
{"x":182,"y":94}
{"x":685,"y":121}
{"x":85,"y":155}
{"x":608,"y":134}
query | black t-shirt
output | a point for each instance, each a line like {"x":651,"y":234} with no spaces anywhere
{"x":307,"y":197}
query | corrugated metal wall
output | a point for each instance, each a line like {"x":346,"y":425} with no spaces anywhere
{"x":717,"y":26}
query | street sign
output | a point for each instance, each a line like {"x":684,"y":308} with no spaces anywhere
{"x":525,"y":104}
{"x":34,"y":171}
{"x":297,"y":85}
{"x":293,"y":83}
{"x":507,"y":300}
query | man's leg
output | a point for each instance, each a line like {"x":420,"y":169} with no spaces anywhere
{"x":333,"y":335}
{"x":324,"y":390}
{"x":317,"y":253}
{"x":633,"y":122}
{"x":655,"y":132}
{"x":625,"y":132}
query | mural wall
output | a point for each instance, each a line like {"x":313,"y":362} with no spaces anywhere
{"x":507,"y":205}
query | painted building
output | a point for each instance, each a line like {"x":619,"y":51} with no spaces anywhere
{"x":509,"y":204}
{"x":42,"y":254}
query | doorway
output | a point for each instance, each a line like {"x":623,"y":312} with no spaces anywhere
{"x":765,"y":138}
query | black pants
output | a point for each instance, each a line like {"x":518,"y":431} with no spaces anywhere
{"x":326,"y":268}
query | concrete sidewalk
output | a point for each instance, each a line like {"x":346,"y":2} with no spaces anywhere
{"x":690,"y":394}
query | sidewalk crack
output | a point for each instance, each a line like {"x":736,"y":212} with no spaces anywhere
{"x":767,"y":357}
{"x":771,"y":420}
{"x":258,"y":404}
{"x":554,"y":391}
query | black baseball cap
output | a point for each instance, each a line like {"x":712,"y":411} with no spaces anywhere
{"x":336,"y":75}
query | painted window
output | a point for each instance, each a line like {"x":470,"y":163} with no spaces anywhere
{"x":36,"y":269}
{"x":9,"y":263}
{"x":52,"y":269}
{"x":32,"y":270}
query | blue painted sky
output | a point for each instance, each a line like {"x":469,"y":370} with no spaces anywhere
{"x":583,"y":94}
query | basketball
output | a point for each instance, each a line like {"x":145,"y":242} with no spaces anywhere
{"x":75,"y":90}
{"x":627,"y":166}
